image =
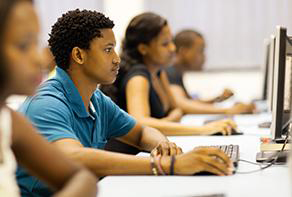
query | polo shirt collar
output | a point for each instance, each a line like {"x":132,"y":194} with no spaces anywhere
{"x":71,"y":93}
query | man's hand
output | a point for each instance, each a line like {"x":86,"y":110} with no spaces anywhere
{"x":211,"y":160}
{"x":166,"y":149}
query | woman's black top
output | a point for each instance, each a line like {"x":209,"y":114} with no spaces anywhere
{"x":156,"y":106}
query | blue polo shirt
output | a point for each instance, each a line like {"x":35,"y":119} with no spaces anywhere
{"x":58,"y":112}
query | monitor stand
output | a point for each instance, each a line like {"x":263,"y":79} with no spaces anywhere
{"x":277,"y":144}
{"x":281,"y":141}
{"x":272,"y":156}
{"x":285,"y":129}
{"x":273,"y":146}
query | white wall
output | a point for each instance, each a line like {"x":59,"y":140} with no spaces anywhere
{"x":211,"y":84}
{"x":234,"y":29}
{"x":50,"y":10}
{"x":121,"y":12}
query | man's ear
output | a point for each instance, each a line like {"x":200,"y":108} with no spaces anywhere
{"x":78,"y":55}
{"x":142,"y":48}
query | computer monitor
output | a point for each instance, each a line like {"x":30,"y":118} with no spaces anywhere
{"x":266,"y":68}
{"x":271,"y":72}
{"x":280,"y":116}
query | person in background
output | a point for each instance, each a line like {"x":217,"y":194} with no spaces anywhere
{"x":190,"y":56}
{"x":142,"y":88}
{"x":20,"y":72}
{"x":78,"y":119}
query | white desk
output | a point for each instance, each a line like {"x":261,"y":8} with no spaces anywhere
{"x":242,"y":120}
{"x":273,"y":181}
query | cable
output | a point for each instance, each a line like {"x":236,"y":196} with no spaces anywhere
{"x":250,"y":162}
{"x":252,"y":171}
{"x":272,"y":158}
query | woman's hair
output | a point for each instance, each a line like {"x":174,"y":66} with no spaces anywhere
{"x":142,"y":29}
{"x":5,"y":8}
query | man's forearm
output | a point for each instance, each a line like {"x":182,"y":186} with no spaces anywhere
{"x":104,"y":163}
{"x":151,"y":138}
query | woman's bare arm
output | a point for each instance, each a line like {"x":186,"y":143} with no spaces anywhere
{"x":137,"y":96}
{"x":46,"y":162}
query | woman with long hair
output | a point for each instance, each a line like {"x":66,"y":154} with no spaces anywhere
{"x":142,"y":87}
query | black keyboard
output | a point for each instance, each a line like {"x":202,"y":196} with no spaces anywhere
{"x":231,"y":150}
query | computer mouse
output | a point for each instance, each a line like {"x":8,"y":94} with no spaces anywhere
{"x":205,"y":173}
{"x":233,"y":132}
{"x":217,"y":134}
{"x":236,"y":132}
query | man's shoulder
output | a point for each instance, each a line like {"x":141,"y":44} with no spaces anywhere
{"x":171,"y":70}
{"x":51,"y":87}
{"x":100,"y":97}
{"x":48,"y":96}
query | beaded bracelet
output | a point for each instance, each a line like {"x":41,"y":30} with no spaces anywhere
{"x":153,"y":166}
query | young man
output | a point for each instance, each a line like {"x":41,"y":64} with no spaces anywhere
{"x":190,"y":46}
{"x":78,"y":119}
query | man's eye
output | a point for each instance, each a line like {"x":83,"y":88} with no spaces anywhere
{"x":108,"y":50}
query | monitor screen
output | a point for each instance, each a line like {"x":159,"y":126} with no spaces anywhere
{"x":281,"y":84}
{"x":271,"y":72}
{"x":288,"y":100}
{"x":266,"y":68}
{"x":288,"y":78}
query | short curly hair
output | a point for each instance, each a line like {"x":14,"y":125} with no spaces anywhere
{"x":75,"y":29}
{"x":185,"y":38}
